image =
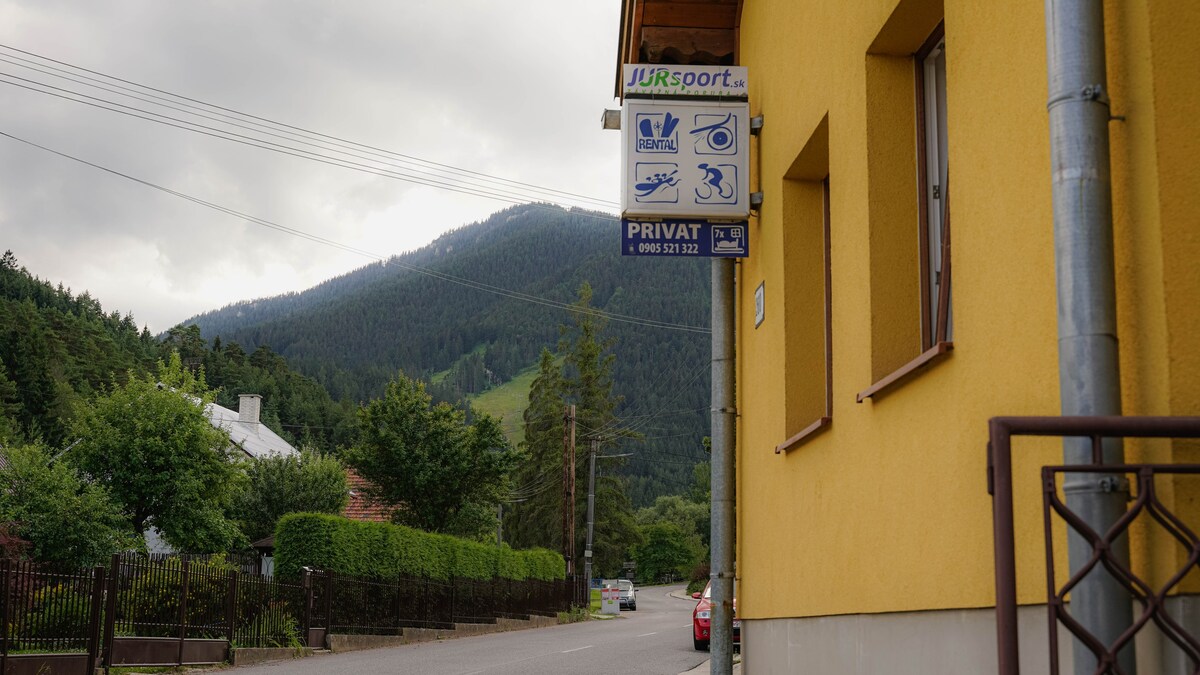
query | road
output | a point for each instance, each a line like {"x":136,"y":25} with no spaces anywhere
{"x":655,"y":640}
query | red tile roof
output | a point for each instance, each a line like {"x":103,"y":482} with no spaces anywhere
{"x":360,"y":507}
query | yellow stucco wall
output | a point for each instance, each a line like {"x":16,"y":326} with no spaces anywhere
{"x":887,"y":509}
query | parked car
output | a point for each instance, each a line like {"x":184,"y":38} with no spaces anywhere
{"x":702,"y":618}
{"x":628,"y":597}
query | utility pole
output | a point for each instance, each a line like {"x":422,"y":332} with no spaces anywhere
{"x":568,"y":504}
{"x":593,"y":454}
{"x":591,"y":514}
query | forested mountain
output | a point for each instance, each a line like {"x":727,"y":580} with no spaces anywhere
{"x":58,"y":350}
{"x":475,"y":310}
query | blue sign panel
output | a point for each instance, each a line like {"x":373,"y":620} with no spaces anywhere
{"x":684,"y":237}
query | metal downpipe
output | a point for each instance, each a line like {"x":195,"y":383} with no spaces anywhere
{"x":1089,"y":374}
{"x":723,"y":419}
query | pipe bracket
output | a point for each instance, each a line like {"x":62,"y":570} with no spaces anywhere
{"x":1092,"y":93}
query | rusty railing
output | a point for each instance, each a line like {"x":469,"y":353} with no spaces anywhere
{"x":1145,"y":501}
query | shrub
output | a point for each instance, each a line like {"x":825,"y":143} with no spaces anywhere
{"x":274,"y":626}
{"x":385,"y":551}
{"x":55,"y":613}
{"x":151,"y":603}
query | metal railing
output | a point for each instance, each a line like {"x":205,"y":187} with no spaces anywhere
{"x":1145,"y":503}
{"x":189,"y":610}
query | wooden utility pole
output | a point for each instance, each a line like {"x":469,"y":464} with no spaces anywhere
{"x":568,"y":505}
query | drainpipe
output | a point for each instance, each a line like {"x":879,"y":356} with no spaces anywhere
{"x":1089,"y":376}
{"x":724,"y":415}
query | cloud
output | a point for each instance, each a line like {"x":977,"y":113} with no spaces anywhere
{"x":511,"y":89}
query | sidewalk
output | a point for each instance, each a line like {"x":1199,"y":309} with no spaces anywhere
{"x":706,"y":667}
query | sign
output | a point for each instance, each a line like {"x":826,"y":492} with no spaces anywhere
{"x":685,"y":159}
{"x":610,"y":599}
{"x":760,"y":304}
{"x":704,"y":81}
{"x":696,"y":238}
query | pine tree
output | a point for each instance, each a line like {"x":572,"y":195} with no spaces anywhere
{"x":588,"y":383}
{"x":535,"y":515}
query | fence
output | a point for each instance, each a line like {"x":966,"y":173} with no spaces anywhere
{"x":171,"y":611}
{"x":1146,"y":505}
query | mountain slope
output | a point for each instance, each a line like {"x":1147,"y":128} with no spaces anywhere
{"x":354,"y":332}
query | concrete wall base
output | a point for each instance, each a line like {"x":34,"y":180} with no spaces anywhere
{"x":245,"y":656}
{"x":350,"y":643}
{"x":945,"y":641}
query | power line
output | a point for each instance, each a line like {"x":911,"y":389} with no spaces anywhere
{"x":477,"y":285}
{"x":294,"y":132}
{"x":167,"y":120}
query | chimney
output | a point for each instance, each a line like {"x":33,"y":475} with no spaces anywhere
{"x":248,"y":407}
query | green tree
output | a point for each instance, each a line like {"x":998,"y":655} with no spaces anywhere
{"x":535,"y":517}
{"x":589,"y":359}
{"x":442,"y":474}
{"x":277,"y":485}
{"x":692,"y":520}
{"x":66,"y":520}
{"x":667,"y":552}
{"x":150,"y":443}
{"x":586,"y":380}
{"x":10,"y":407}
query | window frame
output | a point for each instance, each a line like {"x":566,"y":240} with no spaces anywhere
{"x":936,"y":313}
{"x":825,"y":420}
{"x":934,"y":228}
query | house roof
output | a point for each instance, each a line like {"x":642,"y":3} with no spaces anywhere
{"x":678,"y":31}
{"x":252,"y":438}
{"x":360,"y":507}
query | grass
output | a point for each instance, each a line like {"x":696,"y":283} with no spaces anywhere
{"x":507,"y":403}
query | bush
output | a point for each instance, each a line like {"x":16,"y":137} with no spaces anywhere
{"x":150,"y":606}
{"x":385,"y":551}
{"x":274,"y":626}
{"x":698,"y":578}
{"x":55,"y":613}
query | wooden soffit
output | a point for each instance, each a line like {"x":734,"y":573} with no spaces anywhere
{"x":696,"y":32}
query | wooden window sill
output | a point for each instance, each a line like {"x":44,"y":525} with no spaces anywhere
{"x":807,"y":433}
{"x":934,"y":353}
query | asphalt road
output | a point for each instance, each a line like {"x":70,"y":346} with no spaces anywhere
{"x":655,"y":640}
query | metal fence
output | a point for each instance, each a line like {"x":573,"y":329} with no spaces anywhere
{"x":1145,"y":505}
{"x":363,"y":606}
{"x":191,"y":610}
{"x":51,"y":618}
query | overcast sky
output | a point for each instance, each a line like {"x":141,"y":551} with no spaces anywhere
{"x":510,"y":88}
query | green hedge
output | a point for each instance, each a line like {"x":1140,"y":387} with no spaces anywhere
{"x":385,"y":551}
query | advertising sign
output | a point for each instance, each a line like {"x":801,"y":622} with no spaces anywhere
{"x":640,"y":79}
{"x":685,"y":238}
{"x":685,"y":159}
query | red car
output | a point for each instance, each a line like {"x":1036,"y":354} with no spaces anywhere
{"x":702,"y":618}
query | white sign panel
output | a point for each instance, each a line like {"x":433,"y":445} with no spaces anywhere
{"x":685,"y":159}
{"x":705,"y":81}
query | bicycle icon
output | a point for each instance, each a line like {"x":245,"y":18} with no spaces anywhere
{"x":719,"y":185}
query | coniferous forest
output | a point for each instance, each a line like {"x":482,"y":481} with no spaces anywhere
{"x":467,"y":313}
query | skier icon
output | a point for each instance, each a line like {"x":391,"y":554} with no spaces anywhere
{"x":714,"y":185}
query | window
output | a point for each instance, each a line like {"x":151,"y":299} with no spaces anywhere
{"x":908,"y":210}
{"x":936,"y":316}
{"x":807,"y":292}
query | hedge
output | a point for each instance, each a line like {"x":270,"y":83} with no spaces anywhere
{"x":386,"y":551}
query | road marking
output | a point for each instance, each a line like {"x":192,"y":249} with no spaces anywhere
{"x":576,"y":649}
{"x":648,"y":634}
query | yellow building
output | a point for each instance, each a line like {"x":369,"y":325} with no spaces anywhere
{"x":864,"y":390}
